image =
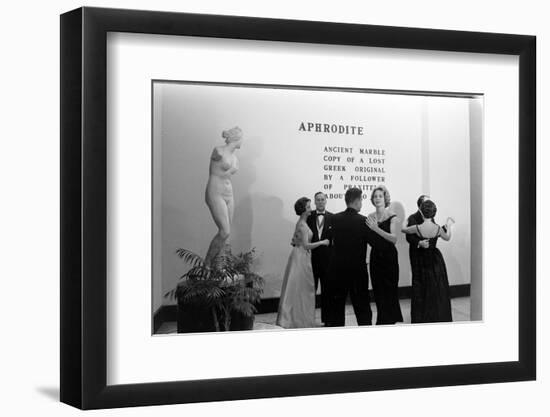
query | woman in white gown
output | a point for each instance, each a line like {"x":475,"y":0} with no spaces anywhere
{"x":297,"y":302}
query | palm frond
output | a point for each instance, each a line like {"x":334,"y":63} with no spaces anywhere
{"x":201,"y":291}
{"x":223,"y":260}
{"x":190,"y":257}
{"x":170,"y":294}
{"x":254,"y":279}
{"x":197,"y":273}
{"x":227,"y":284}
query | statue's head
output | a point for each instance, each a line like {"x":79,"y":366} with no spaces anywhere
{"x":233,"y":135}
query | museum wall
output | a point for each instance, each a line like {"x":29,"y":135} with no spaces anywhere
{"x":417,"y":145}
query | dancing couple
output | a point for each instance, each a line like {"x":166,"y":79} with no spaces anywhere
{"x":430,"y":298}
{"x":342,"y":269}
{"x":332,"y":249}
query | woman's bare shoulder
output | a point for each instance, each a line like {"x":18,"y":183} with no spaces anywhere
{"x":302,"y":226}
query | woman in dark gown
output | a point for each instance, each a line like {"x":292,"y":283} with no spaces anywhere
{"x":384,"y":267}
{"x":431,"y":298}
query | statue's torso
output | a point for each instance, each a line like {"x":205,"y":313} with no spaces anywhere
{"x":221,"y":170}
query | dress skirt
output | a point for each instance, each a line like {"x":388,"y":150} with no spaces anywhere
{"x":297,"y":302}
{"x":384,"y":269}
{"x":431,"y":301}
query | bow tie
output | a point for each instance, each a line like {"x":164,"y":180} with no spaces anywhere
{"x":320,"y":213}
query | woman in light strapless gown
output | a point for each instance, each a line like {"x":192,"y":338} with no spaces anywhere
{"x":297,"y":302}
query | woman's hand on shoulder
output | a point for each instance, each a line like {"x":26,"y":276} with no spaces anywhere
{"x":371,"y":222}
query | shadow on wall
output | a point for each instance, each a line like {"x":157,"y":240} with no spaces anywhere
{"x":260,"y":217}
{"x":276,"y":230}
{"x":243,"y":180}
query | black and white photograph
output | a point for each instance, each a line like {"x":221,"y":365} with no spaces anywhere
{"x":271,"y":209}
{"x":281,"y":207}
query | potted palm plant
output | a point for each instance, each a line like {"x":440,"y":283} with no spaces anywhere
{"x":219,"y":297}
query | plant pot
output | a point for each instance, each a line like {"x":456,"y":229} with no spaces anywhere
{"x":195,"y":317}
{"x":241,"y":322}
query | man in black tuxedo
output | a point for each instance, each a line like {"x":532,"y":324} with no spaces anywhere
{"x":348,"y":272}
{"x":319,"y":221}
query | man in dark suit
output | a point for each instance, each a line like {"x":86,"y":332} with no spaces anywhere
{"x":348,"y":272}
{"x":416,"y":244}
{"x":319,"y":221}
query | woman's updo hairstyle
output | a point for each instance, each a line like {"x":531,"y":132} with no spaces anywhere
{"x":232,"y":135}
{"x":428,"y":209}
{"x":300,"y":205}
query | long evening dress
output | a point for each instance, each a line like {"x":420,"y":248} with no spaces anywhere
{"x":297,"y":302}
{"x":384,"y":271}
{"x":431,"y":301}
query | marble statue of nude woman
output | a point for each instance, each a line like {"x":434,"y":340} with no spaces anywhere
{"x":219,"y":191}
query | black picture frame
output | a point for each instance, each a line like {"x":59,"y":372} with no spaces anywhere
{"x":83,"y":311}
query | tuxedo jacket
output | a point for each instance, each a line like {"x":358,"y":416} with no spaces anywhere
{"x":320,"y":256}
{"x":350,"y":237}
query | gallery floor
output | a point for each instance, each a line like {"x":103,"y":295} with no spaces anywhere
{"x":461,"y":312}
